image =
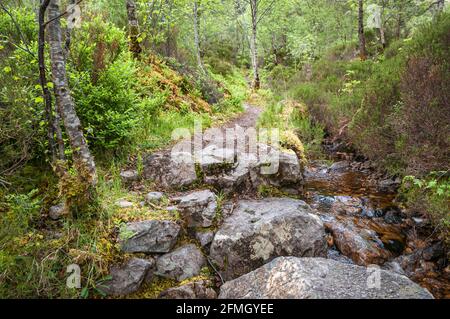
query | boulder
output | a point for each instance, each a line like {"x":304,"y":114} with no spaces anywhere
{"x":153,"y":236}
{"x":234,"y":178}
{"x":183,"y":263}
{"x":194,"y":290}
{"x":198,"y":209}
{"x":170,"y":170}
{"x":261,"y":230}
{"x":278,"y":169}
{"x":251,"y":170}
{"x":361,"y":245}
{"x":214,"y":159}
{"x":319,"y":278}
{"x":127,"y":278}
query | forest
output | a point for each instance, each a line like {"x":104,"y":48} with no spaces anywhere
{"x":99,"y":100}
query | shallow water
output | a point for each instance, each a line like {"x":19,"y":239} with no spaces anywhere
{"x":365,"y":224}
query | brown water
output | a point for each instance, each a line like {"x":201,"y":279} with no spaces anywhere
{"x":367,"y":227}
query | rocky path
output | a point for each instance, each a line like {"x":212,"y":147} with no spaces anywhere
{"x":313,"y":240}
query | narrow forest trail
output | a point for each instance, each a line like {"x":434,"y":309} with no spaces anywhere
{"x":351,"y":221}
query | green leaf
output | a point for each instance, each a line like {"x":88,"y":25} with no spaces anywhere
{"x":39,"y":99}
{"x":7,"y":69}
{"x":84,"y":293}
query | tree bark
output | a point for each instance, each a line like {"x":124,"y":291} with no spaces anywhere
{"x":362,"y":37}
{"x":254,"y":44}
{"x":133,"y":29}
{"x":83,"y":160}
{"x":197,"y":38}
{"x":69,"y":31}
{"x":56,"y":147}
{"x":382,"y":31}
{"x":43,"y":82}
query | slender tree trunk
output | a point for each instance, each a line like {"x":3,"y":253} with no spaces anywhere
{"x":83,"y":160}
{"x":56,"y":147}
{"x":254,"y":44}
{"x":43,"y":81}
{"x":69,"y":31}
{"x":398,"y":31}
{"x":133,"y":29}
{"x":382,"y":31}
{"x":362,"y":37}
{"x":197,"y":38}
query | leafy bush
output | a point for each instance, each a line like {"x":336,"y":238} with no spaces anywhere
{"x":107,"y":108}
{"x":431,"y":195}
{"x":103,"y":78}
{"x":22,"y":129}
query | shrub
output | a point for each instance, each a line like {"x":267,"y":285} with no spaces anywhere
{"x":432,"y":196}
{"x":22,"y":126}
{"x":102,"y":77}
{"x":107,"y":108}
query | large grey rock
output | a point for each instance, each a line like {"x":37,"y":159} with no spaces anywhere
{"x":193,"y":290}
{"x":169,"y":170}
{"x":234,"y":178}
{"x":127,"y":278}
{"x":278,"y":169}
{"x":183,"y":263}
{"x":272,"y":167}
{"x":318,"y":278}
{"x":198,"y":208}
{"x":261,"y":230}
{"x":153,"y":236}
{"x":214,"y":159}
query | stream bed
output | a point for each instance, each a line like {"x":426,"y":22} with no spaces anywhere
{"x":366,"y":226}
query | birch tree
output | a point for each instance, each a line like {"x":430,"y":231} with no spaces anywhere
{"x":133,"y":28}
{"x":82,"y":158}
{"x":257,"y":13}
{"x":197,"y":37}
{"x":361,"y":35}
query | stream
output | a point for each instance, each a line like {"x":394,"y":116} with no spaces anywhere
{"x":366,"y":226}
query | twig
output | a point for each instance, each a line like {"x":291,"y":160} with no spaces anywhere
{"x":61,"y":15}
{"x":16,"y":25}
{"x":215,"y":270}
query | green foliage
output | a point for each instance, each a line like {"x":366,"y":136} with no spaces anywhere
{"x":22,"y":126}
{"x":292,"y":117}
{"x":431,"y":195}
{"x":102,"y":77}
{"x":107,"y":108}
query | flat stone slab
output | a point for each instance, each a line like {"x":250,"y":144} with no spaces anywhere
{"x":127,"y":278}
{"x":171,"y":171}
{"x":183,"y":263}
{"x":153,"y":236}
{"x":318,"y":278}
{"x":194,"y":290}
